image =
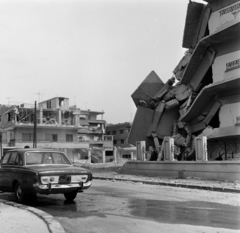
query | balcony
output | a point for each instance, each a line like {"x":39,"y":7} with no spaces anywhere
{"x":87,"y":130}
{"x":97,"y":121}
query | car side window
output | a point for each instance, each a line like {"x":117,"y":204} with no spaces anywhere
{"x":5,"y":158}
{"x":13,"y":158}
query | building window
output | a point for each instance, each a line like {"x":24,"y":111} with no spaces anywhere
{"x":9,"y":116}
{"x":27,"y":137}
{"x":122,"y":141}
{"x":114,"y":142}
{"x":61,"y":102}
{"x":69,"y":138}
{"x":127,"y":156}
{"x":51,"y":137}
{"x":54,"y":137}
{"x":114,"y":132}
{"x":49,"y":104}
{"x":121,"y":131}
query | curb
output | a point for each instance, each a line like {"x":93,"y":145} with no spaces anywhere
{"x":190,"y":186}
{"x":52,"y":224}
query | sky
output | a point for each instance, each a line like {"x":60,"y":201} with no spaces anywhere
{"x":94,"y":52}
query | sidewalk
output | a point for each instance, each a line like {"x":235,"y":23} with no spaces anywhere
{"x":113,"y":172}
{"x":17,"y":218}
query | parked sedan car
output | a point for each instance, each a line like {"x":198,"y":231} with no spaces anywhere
{"x":27,"y":172}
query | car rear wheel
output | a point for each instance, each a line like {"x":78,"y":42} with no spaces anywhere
{"x":19,"y":193}
{"x":70,"y":196}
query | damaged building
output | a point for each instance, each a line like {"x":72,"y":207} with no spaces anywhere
{"x":202,"y":98}
{"x":77,"y":132}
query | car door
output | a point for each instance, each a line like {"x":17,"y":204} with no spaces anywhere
{"x":11,"y":171}
{"x":4,"y":170}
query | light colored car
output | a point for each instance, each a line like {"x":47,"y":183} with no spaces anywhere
{"x":27,"y":172}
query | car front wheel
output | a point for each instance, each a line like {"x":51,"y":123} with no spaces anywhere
{"x":70,"y":196}
{"x":19,"y":193}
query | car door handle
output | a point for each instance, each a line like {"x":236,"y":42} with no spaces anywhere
{"x":14,"y":170}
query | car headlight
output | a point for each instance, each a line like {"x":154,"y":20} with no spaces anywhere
{"x":49,"y":179}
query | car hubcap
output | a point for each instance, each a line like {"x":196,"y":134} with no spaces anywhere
{"x":19,"y":192}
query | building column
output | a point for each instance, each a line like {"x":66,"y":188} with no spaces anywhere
{"x":59,"y":117}
{"x":201,"y":148}
{"x":77,"y":120}
{"x":41,"y":115}
{"x":89,"y":156}
{"x":104,"y":156}
{"x":131,"y":155}
{"x":168,"y":148}
{"x":140,"y":146}
{"x":115,"y":154}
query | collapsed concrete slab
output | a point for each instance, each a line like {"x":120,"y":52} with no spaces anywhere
{"x":146,"y":91}
{"x":206,"y":99}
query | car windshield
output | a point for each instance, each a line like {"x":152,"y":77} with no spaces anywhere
{"x":37,"y":158}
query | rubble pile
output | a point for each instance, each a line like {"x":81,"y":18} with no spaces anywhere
{"x":202,"y":96}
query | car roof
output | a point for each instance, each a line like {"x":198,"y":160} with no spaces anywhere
{"x":34,"y":149}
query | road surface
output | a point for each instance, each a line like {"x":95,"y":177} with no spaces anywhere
{"x":117,"y":207}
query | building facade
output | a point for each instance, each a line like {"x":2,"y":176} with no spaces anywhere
{"x":120,"y":133}
{"x":58,"y":126}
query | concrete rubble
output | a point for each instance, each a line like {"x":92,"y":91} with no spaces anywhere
{"x":197,"y":100}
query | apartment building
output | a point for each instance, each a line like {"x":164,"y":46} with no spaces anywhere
{"x":120,"y":133}
{"x":59,"y":126}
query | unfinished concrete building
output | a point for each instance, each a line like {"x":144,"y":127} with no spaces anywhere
{"x":202,"y":98}
{"x":59,"y":126}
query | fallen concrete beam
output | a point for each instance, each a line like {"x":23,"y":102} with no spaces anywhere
{"x":156,"y":117}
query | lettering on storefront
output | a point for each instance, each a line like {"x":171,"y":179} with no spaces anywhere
{"x":233,"y":65}
{"x":232,"y":9}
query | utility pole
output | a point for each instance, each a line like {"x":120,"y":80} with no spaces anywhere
{"x":39,"y":95}
{"x":86,"y":105}
{"x":35,"y":126}
{"x":131,"y":117}
{"x":8,"y":99}
{"x":1,"y":147}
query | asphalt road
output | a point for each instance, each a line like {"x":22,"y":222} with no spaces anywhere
{"x":114,"y":207}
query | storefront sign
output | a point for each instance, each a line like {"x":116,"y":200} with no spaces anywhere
{"x":233,"y":65}
{"x":232,"y":9}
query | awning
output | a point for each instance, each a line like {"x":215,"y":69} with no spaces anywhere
{"x":222,"y":88}
{"x":232,"y":32}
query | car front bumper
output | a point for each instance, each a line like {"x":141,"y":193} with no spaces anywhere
{"x":61,"y":188}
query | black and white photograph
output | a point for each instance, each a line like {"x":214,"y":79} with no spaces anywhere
{"x":120,"y":116}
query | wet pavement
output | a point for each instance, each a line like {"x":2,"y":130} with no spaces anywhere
{"x":117,"y":206}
